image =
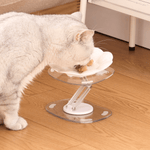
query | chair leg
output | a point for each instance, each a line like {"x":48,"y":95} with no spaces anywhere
{"x":83,"y":5}
{"x":132,"y":33}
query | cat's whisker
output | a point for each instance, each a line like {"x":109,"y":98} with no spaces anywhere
{"x":98,"y":29}
{"x":95,"y":28}
{"x":101,"y":42}
{"x":106,"y":40}
{"x":102,"y":48}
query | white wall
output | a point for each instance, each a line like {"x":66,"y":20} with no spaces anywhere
{"x":116,"y":24}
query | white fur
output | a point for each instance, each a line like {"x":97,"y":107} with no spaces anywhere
{"x":28,"y":43}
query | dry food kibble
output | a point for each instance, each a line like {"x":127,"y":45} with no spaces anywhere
{"x":90,"y":63}
{"x":81,"y":69}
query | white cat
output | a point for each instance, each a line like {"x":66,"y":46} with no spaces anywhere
{"x":28,"y":43}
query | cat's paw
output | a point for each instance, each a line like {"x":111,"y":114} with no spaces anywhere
{"x":19,"y":125}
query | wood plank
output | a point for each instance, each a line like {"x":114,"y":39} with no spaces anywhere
{"x":35,"y":88}
{"x":62,"y":9}
{"x":32,"y":138}
{"x":82,"y":147}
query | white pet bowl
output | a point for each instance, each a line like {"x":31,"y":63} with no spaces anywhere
{"x":102,"y":60}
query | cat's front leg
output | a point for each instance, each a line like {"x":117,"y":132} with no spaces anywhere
{"x":12,"y":120}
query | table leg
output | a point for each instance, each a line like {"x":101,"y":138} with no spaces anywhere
{"x":132,"y":33}
{"x":83,"y":5}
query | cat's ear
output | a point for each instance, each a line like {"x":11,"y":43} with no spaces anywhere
{"x":84,"y":36}
{"x":77,"y":15}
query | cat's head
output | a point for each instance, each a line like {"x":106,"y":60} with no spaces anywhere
{"x":79,"y":44}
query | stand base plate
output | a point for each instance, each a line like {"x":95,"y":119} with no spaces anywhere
{"x":82,"y":109}
{"x":99,"y":113}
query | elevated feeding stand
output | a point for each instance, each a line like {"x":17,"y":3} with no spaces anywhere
{"x":77,"y":109}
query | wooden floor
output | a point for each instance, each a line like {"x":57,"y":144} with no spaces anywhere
{"x":126,"y":93}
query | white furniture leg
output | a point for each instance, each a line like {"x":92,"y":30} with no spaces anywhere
{"x":132,"y":33}
{"x":83,"y":5}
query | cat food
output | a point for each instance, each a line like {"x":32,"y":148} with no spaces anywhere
{"x":90,"y":63}
{"x":81,"y":69}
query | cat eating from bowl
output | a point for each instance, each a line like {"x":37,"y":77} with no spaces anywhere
{"x":28,"y":43}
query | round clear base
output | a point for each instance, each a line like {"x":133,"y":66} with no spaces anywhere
{"x":82,"y":109}
{"x":95,"y":114}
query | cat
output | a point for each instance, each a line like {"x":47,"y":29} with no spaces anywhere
{"x":28,"y":43}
